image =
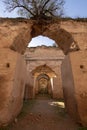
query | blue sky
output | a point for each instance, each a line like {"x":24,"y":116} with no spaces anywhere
{"x":73,"y":8}
{"x":76,"y":8}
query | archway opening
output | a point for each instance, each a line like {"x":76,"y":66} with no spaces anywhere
{"x":42,"y":41}
{"x":38,"y":56}
{"x":43,"y":83}
{"x":43,"y":79}
{"x":43,"y":53}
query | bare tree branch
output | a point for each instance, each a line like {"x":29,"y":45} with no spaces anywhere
{"x":36,"y":8}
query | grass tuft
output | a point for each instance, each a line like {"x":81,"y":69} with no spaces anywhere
{"x":82,"y":128}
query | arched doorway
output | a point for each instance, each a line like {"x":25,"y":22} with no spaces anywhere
{"x":66,"y":42}
{"x":43,"y":77}
{"x":43,"y":83}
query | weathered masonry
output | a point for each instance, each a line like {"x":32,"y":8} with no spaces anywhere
{"x":71,"y":37}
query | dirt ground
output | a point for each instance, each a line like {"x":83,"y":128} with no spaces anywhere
{"x":43,"y":113}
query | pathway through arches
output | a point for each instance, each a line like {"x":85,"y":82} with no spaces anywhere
{"x":44,"y":113}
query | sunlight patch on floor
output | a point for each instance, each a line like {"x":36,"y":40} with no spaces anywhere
{"x":56,"y":103}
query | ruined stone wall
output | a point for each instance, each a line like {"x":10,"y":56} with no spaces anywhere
{"x":15,"y":34}
{"x":78,"y":30}
{"x":79,"y":69}
{"x":75,"y":89}
{"x":78,"y":61}
{"x":12,"y":83}
{"x":12,"y":66}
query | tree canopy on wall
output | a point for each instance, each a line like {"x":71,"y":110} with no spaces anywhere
{"x":36,"y":8}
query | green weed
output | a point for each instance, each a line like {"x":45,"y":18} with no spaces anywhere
{"x":26,"y":107}
{"x":82,"y":128}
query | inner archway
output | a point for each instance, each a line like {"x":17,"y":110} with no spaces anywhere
{"x":43,"y":79}
{"x":43,"y":83}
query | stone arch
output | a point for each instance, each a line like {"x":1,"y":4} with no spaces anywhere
{"x":43,"y":72}
{"x":43,"y":83}
{"x":63,"y":38}
{"x":43,"y":69}
{"x":43,"y":75}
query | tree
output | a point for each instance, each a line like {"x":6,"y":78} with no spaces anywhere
{"x":36,"y":8}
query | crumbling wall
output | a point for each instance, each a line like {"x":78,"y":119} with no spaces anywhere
{"x":79,"y":69}
{"x":54,"y":31}
{"x":78,"y":61}
{"x":74,"y":77}
{"x":69,"y":88}
{"x":78,"y":30}
{"x":12,"y":84}
{"x":15,"y":34}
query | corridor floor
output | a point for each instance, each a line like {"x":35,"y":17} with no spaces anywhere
{"x":43,"y":113}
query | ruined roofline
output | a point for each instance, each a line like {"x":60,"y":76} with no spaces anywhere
{"x":21,"y":19}
{"x":42,"y":47}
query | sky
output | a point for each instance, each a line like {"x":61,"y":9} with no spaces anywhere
{"x":41,"y":40}
{"x":73,"y":8}
{"x":76,"y":8}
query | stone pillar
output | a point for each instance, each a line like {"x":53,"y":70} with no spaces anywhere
{"x":29,"y":88}
{"x":69,"y":88}
{"x":57,"y":84}
{"x":36,"y":86}
{"x":26,"y":93}
{"x":49,"y":87}
{"x":79,"y":69}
